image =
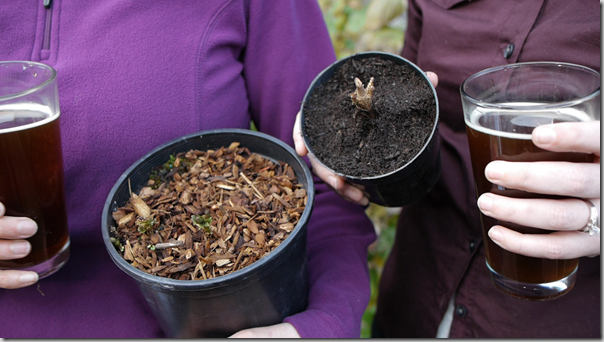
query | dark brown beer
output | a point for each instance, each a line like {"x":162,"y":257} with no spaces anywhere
{"x":31,"y":181}
{"x":505,"y":136}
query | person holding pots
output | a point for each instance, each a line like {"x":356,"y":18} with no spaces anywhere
{"x":134,"y":75}
{"x":435,"y":282}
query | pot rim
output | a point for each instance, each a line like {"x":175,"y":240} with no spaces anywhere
{"x":227,"y":279}
{"x":362,"y":55}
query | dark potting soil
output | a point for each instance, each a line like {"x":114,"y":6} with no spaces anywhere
{"x":361,"y":143}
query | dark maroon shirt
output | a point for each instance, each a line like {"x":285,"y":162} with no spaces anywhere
{"x":439,"y":250}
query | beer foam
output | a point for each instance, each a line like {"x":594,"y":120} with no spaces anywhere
{"x":546,"y":116}
{"x":38,"y":114}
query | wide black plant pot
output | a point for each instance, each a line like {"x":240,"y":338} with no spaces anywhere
{"x":260,"y":294}
{"x":408,"y":183}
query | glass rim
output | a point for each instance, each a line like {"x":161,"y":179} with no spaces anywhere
{"x":544,"y":105}
{"x":52,"y":78}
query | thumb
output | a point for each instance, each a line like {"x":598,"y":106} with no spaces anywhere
{"x":297,"y":135}
{"x":433,"y":77}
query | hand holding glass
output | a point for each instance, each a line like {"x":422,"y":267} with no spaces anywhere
{"x":502,"y":106}
{"x":31,"y":164}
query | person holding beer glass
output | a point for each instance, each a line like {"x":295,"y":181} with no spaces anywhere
{"x":134,"y":75}
{"x":436,"y":282}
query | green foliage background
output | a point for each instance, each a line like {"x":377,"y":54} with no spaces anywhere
{"x":365,"y":25}
{"x":369,"y":25}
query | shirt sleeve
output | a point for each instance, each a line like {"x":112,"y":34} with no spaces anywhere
{"x":338,"y":236}
{"x":413,"y":32}
{"x":288,"y":45}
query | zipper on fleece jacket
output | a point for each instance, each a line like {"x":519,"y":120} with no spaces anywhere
{"x":45,"y":53}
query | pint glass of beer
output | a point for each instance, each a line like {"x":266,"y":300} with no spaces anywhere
{"x":502,"y":106}
{"x":31,"y":164}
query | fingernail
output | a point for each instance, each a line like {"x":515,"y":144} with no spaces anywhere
{"x":29,"y":278}
{"x":364,"y":201}
{"x":495,"y":235}
{"x":334,"y":182}
{"x":544,"y":135}
{"x":20,"y":248}
{"x":494,"y":171}
{"x":354,"y":193}
{"x":485,"y":203}
{"x":27,"y":228}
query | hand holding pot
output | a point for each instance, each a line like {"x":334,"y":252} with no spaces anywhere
{"x":568,"y":216}
{"x":13,"y":232}
{"x":346,"y":190}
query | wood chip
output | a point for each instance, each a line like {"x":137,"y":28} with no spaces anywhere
{"x":141,"y":208}
{"x":169,"y":244}
{"x":222,"y":262}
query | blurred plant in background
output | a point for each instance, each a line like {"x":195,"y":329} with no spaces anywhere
{"x":369,"y":25}
{"x":384,"y":220}
{"x":365,"y":25}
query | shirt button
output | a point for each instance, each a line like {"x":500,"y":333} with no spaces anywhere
{"x":472,"y":245}
{"x":461,"y":311}
{"x":508,"y":51}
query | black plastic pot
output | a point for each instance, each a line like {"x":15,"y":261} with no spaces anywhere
{"x":410,"y":182}
{"x":261,"y":294}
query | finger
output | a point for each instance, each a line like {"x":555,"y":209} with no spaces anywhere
{"x":554,"y":178}
{"x":247,"y":333}
{"x":567,"y":214}
{"x":433,"y":77}
{"x":17,"y":227}
{"x":17,"y":279}
{"x":557,"y":245}
{"x":281,"y":330}
{"x":339,"y":184}
{"x":298,"y":140}
{"x":330,"y":178}
{"x":569,"y":137}
{"x":353,"y":194}
{"x":14,"y":249}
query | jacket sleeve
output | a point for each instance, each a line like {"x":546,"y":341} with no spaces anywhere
{"x":288,"y":45}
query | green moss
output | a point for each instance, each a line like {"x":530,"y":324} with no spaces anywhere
{"x":202,"y":222}
{"x":144,"y":226}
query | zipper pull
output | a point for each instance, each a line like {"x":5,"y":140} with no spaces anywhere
{"x":47,"y":3}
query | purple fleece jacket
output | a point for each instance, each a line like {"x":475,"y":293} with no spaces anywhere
{"x":135,"y":74}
